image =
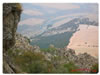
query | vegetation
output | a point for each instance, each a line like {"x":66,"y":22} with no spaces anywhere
{"x":50,"y":50}
{"x":19,"y":6}
{"x":44,"y":42}
{"x":95,"y":68}
{"x":31,"y":62}
{"x":70,"y":67}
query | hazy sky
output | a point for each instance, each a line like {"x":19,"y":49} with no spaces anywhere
{"x":48,"y":13}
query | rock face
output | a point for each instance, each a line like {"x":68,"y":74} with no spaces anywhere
{"x":21,"y":43}
{"x":83,"y":61}
{"x":11,"y":17}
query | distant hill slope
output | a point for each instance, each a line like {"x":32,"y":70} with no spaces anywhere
{"x":60,"y":36}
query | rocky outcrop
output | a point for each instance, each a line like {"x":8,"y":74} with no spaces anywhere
{"x":21,"y":43}
{"x":83,"y":61}
{"x":11,"y":17}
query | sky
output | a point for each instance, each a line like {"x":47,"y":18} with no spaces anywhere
{"x":45,"y":11}
{"x":41,"y":15}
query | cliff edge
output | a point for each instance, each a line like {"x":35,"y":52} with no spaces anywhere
{"x":11,"y":17}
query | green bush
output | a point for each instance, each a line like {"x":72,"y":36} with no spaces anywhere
{"x":70,"y":67}
{"x":31,"y":62}
{"x":50,"y":50}
{"x":95,"y":68}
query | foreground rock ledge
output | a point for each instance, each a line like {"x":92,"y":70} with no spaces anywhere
{"x":11,"y":17}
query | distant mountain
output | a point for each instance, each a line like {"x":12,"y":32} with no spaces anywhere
{"x":60,"y":36}
{"x":38,"y":18}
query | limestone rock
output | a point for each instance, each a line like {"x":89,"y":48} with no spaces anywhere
{"x":36,"y":48}
{"x":22,"y":43}
{"x":11,"y":17}
{"x":86,"y":61}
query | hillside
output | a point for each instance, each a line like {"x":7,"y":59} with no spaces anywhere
{"x":63,"y":32}
{"x":21,"y":57}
